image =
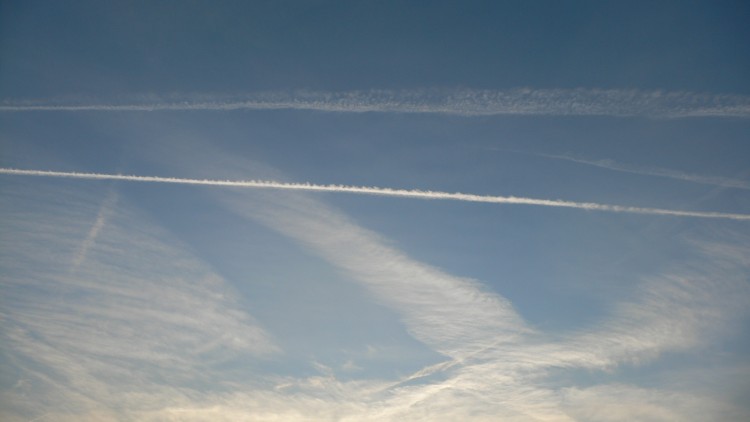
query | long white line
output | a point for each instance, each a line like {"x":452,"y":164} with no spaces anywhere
{"x":466,"y":102}
{"x":364,"y":190}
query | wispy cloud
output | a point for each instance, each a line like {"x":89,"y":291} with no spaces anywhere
{"x":139,"y":310}
{"x":403,"y":193}
{"x":452,"y":315}
{"x":651,"y":171}
{"x":466,"y":102}
{"x":622,"y":402}
{"x":497,"y":365}
{"x":104,"y":210}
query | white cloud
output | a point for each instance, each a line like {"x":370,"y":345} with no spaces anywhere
{"x":138,"y":311}
{"x":497,"y":366}
{"x":455,"y":316}
{"x":619,"y":402}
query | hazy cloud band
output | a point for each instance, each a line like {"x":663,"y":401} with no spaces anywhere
{"x":419,"y":194}
{"x":553,"y":102}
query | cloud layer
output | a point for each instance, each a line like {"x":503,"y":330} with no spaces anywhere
{"x":77,"y":347}
{"x":93,"y":323}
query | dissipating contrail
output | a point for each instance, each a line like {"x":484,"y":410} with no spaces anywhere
{"x":363,"y":190}
{"x":464,"y":102}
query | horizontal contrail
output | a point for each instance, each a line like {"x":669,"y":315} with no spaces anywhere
{"x":405,"y":193}
{"x":466,"y":102}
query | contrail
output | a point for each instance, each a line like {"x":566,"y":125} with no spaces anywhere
{"x":646,"y":171}
{"x":101,"y":218}
{"x":364,"y":190}
{"x":659,"y":172}
{"x":465,"y":102}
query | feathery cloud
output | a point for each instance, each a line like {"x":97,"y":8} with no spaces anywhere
{"x":138,"y":312}
{"x":497,"y":365}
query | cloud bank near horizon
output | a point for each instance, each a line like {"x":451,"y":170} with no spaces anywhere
{"x":463,"y":102}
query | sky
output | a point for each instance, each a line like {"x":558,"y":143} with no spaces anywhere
{"x":374,"y":211}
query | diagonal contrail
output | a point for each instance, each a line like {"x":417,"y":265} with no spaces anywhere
{"x":651,"y":171}
{"x":465,"y":102}
{"x":93,"y":233}
{"x":364,"y":190}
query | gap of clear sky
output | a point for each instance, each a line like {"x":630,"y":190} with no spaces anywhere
{"x":186,"y":301}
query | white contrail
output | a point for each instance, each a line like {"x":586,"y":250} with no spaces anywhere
{"x":364,"y":190}
{"x":658,"y":172}
{"x":466,"y":102}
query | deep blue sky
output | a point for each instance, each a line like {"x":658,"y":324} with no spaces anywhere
{"x":126,"y":47}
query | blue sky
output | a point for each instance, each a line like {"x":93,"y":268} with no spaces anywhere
{"x":125,"y":300}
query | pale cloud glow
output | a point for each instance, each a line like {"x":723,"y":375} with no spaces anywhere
{"x":496,"y":363}
{"x":136,"y":318}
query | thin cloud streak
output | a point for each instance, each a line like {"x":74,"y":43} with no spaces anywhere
{"x":101,"y":217}
{"x":522,"y":102}
{"x":650,"y":171}
{"x":404,"y":193}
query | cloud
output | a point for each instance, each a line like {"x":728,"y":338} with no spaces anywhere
{"x":465,"y":102}
{"x":139,"y":312}
{"x":497,"y":365}
{"x":402,"y":193}
{"x":104,"y":210}
{"x":455,"y":316}
{"x":621,"y":402}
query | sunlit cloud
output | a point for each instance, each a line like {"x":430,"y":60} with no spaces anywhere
{"x":495,"y":363}
{"x":498,"y":365}
{"x":138,"y":310}
{"x":622,"y":402}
